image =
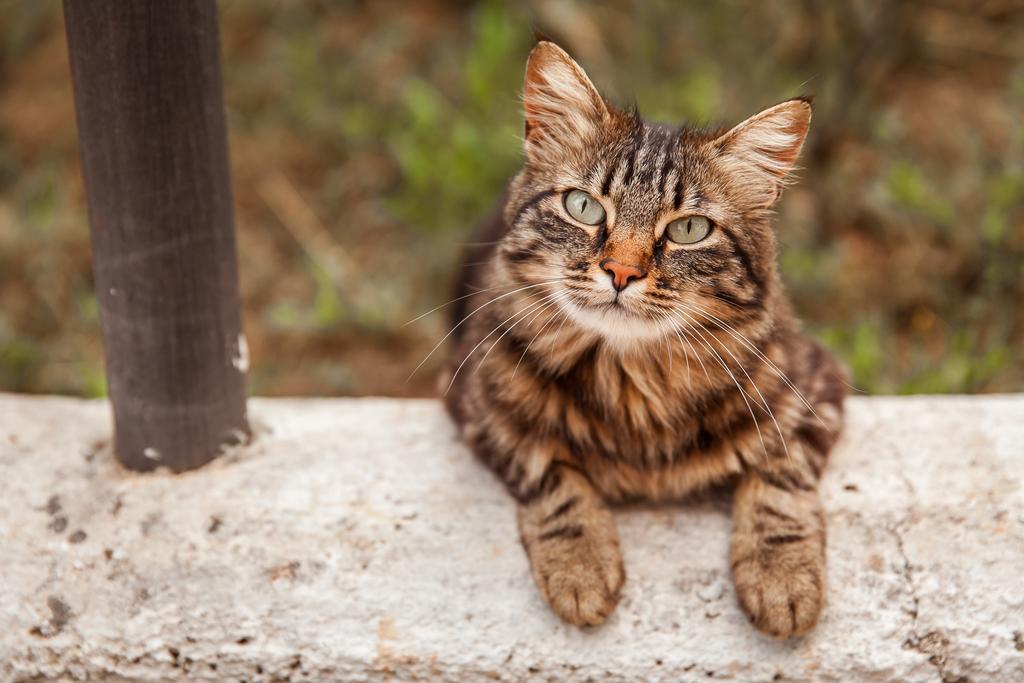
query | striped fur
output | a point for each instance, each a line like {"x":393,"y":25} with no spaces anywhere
{"x":695,"y":375}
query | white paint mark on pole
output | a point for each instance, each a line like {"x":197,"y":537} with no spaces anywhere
{"x":241,"y":358}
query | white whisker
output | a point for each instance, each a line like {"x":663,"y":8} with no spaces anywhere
{"x":746,"y":342}
{"x":685,"y":338}
{"x":480,"y":343}
{"x":548,"y":302}
{"x":474,"y":312}
{"x":664,"y":317}
{"x":448,"y":303}
{"x":750,"y":379}
{"x":743,"y":394}
{"x":565,"y":316}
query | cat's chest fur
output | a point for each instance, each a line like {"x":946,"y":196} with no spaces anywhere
{"x":646,"y":410}
{"x":643,"y":426}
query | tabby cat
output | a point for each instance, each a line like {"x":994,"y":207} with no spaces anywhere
{"x":623,"y":335}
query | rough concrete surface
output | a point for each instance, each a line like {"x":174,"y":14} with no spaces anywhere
{"x":358,"y":540}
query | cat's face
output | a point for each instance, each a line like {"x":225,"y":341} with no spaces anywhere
{"x":640,"y":229}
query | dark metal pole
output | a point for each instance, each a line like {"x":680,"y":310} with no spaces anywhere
{"x":153,"y":140}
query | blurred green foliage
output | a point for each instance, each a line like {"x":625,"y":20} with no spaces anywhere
{"x":457,"y":152}
{"x":367,"y":139}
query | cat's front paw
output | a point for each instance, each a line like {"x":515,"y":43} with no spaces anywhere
{"x":577,"y":564}
{"x":570,"y":539}
{"x":582,"y":584}
{"x":782,"y":590}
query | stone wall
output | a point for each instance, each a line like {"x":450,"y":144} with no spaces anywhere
{"x":357,"y":540}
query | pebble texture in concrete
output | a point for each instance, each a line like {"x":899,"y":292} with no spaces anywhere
{"x":357,"y":540}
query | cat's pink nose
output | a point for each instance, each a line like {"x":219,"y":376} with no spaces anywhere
{"x":621,"y":274}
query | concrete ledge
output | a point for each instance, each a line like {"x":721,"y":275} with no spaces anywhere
{"x":357,"y":540}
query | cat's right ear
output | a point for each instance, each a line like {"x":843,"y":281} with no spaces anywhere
{"x":563,"y":108}
{"x":760,"y":152}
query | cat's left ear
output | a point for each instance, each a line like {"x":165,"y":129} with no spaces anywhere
{"x":563,"y":108}
{"x":759,"y":153}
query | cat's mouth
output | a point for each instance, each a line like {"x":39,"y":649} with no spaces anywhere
{"x":617,"y":302}
{"x":616,"y":307}
{"x":615,"y":318}
{"x":613,"y":304}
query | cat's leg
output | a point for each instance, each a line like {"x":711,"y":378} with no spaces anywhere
{"x":778,"y":549}
{"x":573,"y":546}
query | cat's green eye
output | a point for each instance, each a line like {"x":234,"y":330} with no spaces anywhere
{"x":583,"y":207}
{"x":689,"y":230}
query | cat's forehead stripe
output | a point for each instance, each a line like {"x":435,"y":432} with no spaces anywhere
{"x":677,"y":197}
{"x":606,"y":185}
{"x":652,"y":155}
{"x":693,"y":200}
{"x":627,"y":174}
{"x":653,"y":158}
{"x":665,"y":161}
{"x":637,"y":162}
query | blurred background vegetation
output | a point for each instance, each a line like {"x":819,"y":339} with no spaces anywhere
{"x":367,"y":138}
